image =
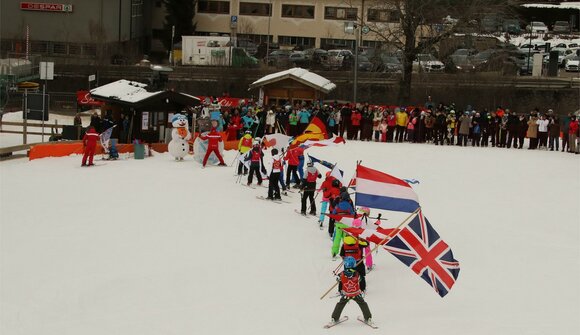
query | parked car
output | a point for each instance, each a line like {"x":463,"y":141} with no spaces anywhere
{"x":315,"y":56}
{"x":387,"y":63}
{"x":250,"y":47}
{"x":561,"y":27}
{"x":512,"y":26}
{"x":572,"y":64}
{"x":571,"y":45}
{"x":464,"y":52}
{"x":483,"y":57}
{"x":428,"y":63}
{"x":536,"y":27}
{"x":338,"y":59}
{"x":279,"y":58}
{"x":459,"y":63}
{"x":364,"y":64}
{"x":298,"y":58}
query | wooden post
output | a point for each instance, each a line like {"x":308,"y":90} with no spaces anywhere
{"x":391,"y":235}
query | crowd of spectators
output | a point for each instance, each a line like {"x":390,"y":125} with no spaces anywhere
{"x":437,"y":124}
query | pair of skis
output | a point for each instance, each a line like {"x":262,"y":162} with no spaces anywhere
{"x":344,"y":318}
{"x":278,"y":201}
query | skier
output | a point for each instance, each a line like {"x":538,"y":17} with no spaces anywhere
{"x":326,"y":189}
{"x":213,"y":138}
{"x":308,"y":188}
{"x":350,"y":288}
{"x":353,"y":247}
{"x":273,"y":187}
{"x":244,"y":145}
{"x":89,"y":145}
{"x":255,"y":158}
{"x":367,"y":249}
{"x":333,"y":200}
{"x":292,"y":156}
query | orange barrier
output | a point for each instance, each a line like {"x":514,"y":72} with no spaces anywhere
{"x":61,"y":149}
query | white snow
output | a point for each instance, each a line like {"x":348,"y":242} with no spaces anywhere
{"x":300,"y":74}
{"x":124,"y":90}
{"x":156,"y":246}
{"x":563,"y":5}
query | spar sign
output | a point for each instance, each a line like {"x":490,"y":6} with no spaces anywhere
{"x":46,"y":7}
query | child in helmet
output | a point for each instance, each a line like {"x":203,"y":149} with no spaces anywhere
{"x":273,"y":187}
{"x":255,"y":158}
{"x":353,"y":247}
{"x":350,"y":288}
{"x":244,"y":145}
{"x":357,"y":223}
{"x":326,"y":189}
{"x":308,"y":188}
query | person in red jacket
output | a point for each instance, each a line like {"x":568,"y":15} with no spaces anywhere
{"x":355,"y":119}
{"x":293,"y":157}
{"x":573,"y":135}
{"x":89,"y":145}
{"x":213,"y":138}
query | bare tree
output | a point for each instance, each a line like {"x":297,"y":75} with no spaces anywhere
{"x":416,"y":26}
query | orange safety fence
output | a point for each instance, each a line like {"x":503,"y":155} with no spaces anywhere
{"x":61,"y":149}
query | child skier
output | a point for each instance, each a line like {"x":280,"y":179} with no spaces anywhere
{"x":255,"y":158}
{"x":350,"y":288}
{"x":308,"y":187}
{"x":89,"y":144}
{"x":273,"y":187}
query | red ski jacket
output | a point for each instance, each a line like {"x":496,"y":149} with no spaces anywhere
{"x":90,"y":139}
{"x":213,"y":138}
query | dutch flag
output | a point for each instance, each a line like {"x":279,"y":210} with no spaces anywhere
{"x":379,"y":190}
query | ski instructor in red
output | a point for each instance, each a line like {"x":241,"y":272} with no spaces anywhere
{"x":89,"y":144}
{"x":213,"y":138}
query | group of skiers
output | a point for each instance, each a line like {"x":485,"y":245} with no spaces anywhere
{"x":335,"y":200}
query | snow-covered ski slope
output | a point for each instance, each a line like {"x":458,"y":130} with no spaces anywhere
{"x":154,"y":246}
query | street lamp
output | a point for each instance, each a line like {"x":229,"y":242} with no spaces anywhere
{"x":268,"y":35}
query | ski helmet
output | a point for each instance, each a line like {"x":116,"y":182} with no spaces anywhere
{"x":310,"y":164}
{"x":274,"y":152}
{"x":335,"y":183}
{"x":247,"y":132}
{"x":349,"y":262}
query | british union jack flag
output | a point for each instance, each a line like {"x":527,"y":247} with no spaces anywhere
{"x":419,"y":246}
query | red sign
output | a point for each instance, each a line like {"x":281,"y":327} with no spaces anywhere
{"x":46,"y":7}
{"x":84,"y":99}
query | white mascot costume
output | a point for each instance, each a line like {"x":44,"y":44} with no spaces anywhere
{"x":178,"y":146}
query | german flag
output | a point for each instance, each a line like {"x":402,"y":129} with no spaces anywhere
{"x":316,"y":130}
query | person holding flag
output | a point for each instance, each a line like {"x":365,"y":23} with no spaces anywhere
{"x":350,"y":287}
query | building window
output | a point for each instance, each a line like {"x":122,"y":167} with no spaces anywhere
{"x":305,"y":42}
{"x":136,"y":8}
{"x":383,"y":15}
{"x":340,"y":13}
{"x":372,"y":44}
{"x":59,"y":48}
{"x":336,"y":43}
{"x":255,"y":9}
{"x":296,"y":11}
{"x":214,"y":7}
{"x":257,"y":39}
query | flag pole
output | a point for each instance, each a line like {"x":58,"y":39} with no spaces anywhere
{"x":391,"y":235}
